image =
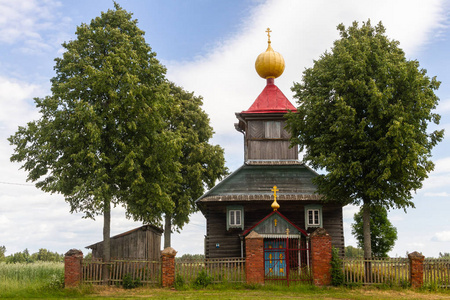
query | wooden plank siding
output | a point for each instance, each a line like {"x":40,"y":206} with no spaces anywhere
{"x":254,"y":211}
{"x":271,"y":149}
{"x":140,"y":243}
{"x":268,"y":139}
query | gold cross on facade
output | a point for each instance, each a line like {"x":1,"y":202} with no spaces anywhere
{"x":268,"y":33}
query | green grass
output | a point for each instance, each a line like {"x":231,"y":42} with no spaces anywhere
{"x":39,"y":279}
{"x":43,"y":280}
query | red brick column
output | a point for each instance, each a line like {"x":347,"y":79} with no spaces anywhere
{"x":321,"y":257}
{"x":254,"y":261}
{"x":416,"y":269}
{"x":72,"y":268}
{"x":168,"y":266}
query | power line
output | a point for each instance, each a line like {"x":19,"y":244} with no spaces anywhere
{"x":14,"y":183}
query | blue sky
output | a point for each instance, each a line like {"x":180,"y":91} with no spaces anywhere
{"x":209,"y":47}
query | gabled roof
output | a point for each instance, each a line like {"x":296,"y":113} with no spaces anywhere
{"x":265,"y":228}
{"x":254,"y":182}
{"x":271,"y":100}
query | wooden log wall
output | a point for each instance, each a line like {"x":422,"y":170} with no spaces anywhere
{"x":230,"y":242}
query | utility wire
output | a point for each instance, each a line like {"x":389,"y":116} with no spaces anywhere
{"x":13,"y":183}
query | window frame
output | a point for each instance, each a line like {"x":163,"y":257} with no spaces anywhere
{"x":229,"y":219}
{"x":312,"y":208}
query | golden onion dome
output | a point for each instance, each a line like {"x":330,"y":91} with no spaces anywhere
{"x":269,"y":64}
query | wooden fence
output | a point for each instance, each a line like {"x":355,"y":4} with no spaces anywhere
{"x":220,"y":270}
{"x":147,"y":272}
{"x":436,"y":271}
{"x":392,"y":271}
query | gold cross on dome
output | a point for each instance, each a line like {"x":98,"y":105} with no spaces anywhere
{"x":275,"y":190}
{"x":268,"y":33}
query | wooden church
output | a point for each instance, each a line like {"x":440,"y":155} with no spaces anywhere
{"x":244,"y":201}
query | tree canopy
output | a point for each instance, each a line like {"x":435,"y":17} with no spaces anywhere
{"x":363,"y":114}
{"x":200,"y":163}
{"x":383,"y":233}
{"x":103,"y":137}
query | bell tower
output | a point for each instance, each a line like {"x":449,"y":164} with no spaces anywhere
{"x":266,"y":141}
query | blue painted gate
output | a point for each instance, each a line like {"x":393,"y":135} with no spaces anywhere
{"x":286,"y":260}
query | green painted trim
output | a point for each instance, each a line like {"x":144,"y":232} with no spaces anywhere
{"x":315,"y":207}
{"x":235,"y":207}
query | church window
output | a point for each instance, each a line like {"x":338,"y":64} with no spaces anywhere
{"x":235,"y":217}
{"x":313,"y":216}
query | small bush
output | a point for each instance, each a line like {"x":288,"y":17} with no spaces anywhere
{"x":129,"y":283}
{"x":337,"y":274}
{"x":202,"y":280}
{"x":55,"y":282}
{"x":179,"y":283}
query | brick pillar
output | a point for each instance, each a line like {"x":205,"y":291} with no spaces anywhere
{"x":168,"y":266}
{"x":254,"y":261}
{"x":72,"y":268}
{"x":321,"y":257}
{"x":416,"y":269}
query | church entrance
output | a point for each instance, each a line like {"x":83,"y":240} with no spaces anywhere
{"x":286,"y":259}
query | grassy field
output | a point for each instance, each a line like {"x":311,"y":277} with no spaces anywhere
{"x":23,"y":280}
{"x":45,"y":281}
{"x":261,"y":293}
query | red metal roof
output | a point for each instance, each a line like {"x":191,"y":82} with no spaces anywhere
{"x":271,"y":100}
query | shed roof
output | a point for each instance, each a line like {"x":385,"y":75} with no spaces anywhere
{"x":254,"y":182}
{"x":153,"y":228}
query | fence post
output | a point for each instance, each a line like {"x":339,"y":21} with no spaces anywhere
{"x":72,"y":268}
{"x":416,"y":269}
{"x":168,"y":266}
{"x":321,"y":257}
{"x":254,"y":261}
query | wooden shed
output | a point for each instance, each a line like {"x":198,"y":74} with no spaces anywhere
{"x":140,"y":243}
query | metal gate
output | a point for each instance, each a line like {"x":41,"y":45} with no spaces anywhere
{"x":287,"y":259}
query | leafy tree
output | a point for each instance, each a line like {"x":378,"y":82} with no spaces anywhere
{"x":46,"y":255}
{"x":362,"y":117}
{"x":383,"y":233}
{"x":201,"y":163}
{"x":353,"y":252}
{"x":2,"y":253}
{"x":102,"y":138}
{"x":19,"y":257}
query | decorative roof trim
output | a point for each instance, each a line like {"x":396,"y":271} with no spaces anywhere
{"x":280,"y":236}
{"x":266,"y":197}
{"x":273,"y":162}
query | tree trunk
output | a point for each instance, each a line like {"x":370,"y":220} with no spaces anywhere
{"x":367,"y":242}
{"x":106,"y":241}
{"x":167,"y":231}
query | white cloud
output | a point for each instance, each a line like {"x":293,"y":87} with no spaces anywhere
{"x":443,"y":106}
{"x":16,"y":102}
{"x":349,"y":211}
{"x":442,"y":194}
{"x":28,"y":21}
{"x":443,"y":236}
